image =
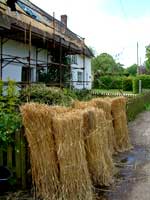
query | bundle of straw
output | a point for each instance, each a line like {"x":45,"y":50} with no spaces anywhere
{"x":106,"y":107}
{"x":74,"y":175}
{"x":118,"y":107}
{"x":99,"y":159}
{"x":38,"y":130}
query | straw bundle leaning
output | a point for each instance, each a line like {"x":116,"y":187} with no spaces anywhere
{"x":118,"y":107}
{"x":38,"y":125}
{"x":74,"y":175}
{"x":106,"y":106}
{"x":99,"y":159}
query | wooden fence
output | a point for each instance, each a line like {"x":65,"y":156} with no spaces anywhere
{"x":112,"y":94}
{"x":15,"y":158}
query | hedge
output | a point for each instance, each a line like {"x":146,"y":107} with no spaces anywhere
{"x":113,"y":82}
{"x":137,"y":104}
{"x":127,"y":84}
{"x":145,"y":81}
{"x":121,"y":82}
{"x":109,"y":82}
{"x":135,"y":85}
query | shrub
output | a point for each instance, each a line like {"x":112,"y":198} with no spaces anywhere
{"x":145,"y":81}
{"x":47,"y":95}
{"x":83,"y":95}
{"x":10,"y":120}
{"x":135,"y":85}
{"x":137,"y":104}
{"x":110,"y":82}
{"x":127,"y":84}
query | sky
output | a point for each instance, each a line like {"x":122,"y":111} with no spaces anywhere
{"x":111,"y":26}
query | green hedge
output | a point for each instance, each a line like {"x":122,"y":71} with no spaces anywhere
{"x":135,"y":84}
{"x":109,"y":82}
{"x":127,"y":84}
{"x":145,"y":81}
{"x":113,"y":82}
{"x":136,"y":105}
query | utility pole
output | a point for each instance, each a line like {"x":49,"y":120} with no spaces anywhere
{"x":137,"y":58}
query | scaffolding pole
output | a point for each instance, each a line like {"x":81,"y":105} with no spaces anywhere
{"x":30,"y":38}
{"x":83,"y":64}
{"x":1,"y":62}
{"x":60,"y":61}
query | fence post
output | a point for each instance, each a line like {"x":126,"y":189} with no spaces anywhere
{"x":1,"y":157}
{"x":140,"y":86}
{"x":23,"y":160}
{"x":18,"y":156}
{"x":9,"y":156}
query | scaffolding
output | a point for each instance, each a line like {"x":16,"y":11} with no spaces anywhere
{"x":55,"y":45}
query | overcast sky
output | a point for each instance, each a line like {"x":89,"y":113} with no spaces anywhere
{"x":112,"y":26}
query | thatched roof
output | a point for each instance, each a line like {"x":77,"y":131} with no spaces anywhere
{"x":43,"y":26}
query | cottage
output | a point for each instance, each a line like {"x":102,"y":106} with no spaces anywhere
{"x":36,"y":47}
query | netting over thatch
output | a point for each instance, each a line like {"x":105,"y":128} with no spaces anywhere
{"x":74,"y":175}
{"x":118,"y":109}
{"x":99,"y":159}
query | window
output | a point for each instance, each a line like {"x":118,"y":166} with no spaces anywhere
{"x":27,"y":74}
{"x":79,"y":76}
{"x":74,"y":59}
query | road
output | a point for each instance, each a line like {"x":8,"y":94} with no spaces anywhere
{"x":133,"y":179}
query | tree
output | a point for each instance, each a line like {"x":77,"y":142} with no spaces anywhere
{"x":105,"y":64}
{"x":132,"y":70}
{"x":147,"y":62}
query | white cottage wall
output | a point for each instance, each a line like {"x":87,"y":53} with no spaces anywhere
{"x":18,"y":49}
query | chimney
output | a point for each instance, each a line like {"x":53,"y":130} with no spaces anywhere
{"x":64,"y":19}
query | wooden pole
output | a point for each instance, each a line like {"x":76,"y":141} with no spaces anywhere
{"x":1,"y":56}
{"x":60,"y":62}
{"x":9,"y":156}
{"x":137,"y":58}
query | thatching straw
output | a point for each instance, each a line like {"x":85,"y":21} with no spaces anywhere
{"x":99,"y":159}
{"x":106,"y":106}
{"x":118,"y":107}
{"x":74,"y":175}
{"x":38,"y":122}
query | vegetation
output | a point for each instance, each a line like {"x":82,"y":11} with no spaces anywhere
{"x":10,"y":120}
{"x":147,"y":62}
{"x":105,"y":64}
{"x":132,"y":70}
{"x":127,"y":84}
{"x":137,"y":104}
{"x":108,"y":82}
{"x":52,"y":95}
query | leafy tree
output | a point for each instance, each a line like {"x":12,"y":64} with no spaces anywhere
{"x":147,"y":62}
{"x":132,"y":70}
{"x":105,"y":64}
